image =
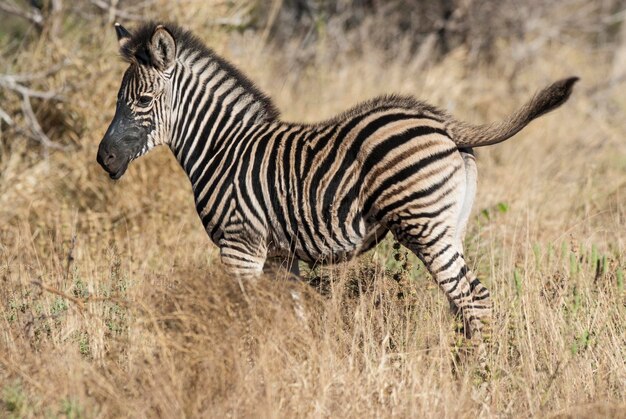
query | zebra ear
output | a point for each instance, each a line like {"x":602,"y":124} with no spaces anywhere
{"x":162,"y":48}
{"x":123,"y":36}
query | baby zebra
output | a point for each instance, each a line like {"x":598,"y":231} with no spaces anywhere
{"x":318,"y":193}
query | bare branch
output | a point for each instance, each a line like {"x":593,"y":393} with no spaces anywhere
{"x":33,"y":15}
{"x":31,"y":118}
{"x":25,"y":77}
{"x":5,"y":117}
{"x":26,"y":91}
{"x":31,"y":128}
{"x":54,"y":17}
{"x":12,"y":82}
{"x":139,"y":5}
{"x":113,"y":11}
{"x":614,"y":18}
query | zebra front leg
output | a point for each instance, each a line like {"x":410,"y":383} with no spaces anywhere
{"x":244,"y":265}
{"x":241,"y":262}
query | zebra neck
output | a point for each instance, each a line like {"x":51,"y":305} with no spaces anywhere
{"x":213,"y":105}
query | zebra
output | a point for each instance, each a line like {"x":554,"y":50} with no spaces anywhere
{"x":324,"y":192}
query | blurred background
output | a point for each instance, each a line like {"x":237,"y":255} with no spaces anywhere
{"x":106,"y":287}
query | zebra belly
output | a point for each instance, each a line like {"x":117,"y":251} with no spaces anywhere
{"x":327,"y":250}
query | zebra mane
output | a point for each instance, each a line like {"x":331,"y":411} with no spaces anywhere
{"x":390,"y":101}
{"x":136,"y":50}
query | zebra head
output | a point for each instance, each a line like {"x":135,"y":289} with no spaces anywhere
{"x":143,"y":110}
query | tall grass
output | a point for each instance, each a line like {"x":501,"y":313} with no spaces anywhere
{"x":113,"y":302}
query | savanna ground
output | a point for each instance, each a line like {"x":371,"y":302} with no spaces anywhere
{"x":112,"y":299}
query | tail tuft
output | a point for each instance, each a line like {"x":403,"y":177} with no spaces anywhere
{"x":551,"y":97}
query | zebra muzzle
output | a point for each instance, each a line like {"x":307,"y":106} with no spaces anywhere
{"x":112,"y":160}
{"x":119,"y":146}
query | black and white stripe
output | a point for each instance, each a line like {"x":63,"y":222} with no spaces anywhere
{"x":324,"y":192}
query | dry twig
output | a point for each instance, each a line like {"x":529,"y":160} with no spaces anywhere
{"x":33,"y":14}
{"x":113,"y":11}
{"x":34,"y":125}
{"x":15,"y":82}
{"x":5,"y":117}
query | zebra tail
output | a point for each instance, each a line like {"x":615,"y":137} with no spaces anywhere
{"x":548,"y":99}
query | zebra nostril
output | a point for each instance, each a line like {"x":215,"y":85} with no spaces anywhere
{"x":110,"y":158}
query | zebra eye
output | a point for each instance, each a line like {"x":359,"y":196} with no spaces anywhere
{"x":144,"y":101}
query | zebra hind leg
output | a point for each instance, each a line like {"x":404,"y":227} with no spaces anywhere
{"x":469,"y":192}
{"x":471,"y":176}
{"x":445,"y":261}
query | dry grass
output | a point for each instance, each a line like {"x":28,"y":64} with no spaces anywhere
{"x":146,"y":324}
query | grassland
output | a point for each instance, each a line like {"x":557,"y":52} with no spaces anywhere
{"x":113,"y":302}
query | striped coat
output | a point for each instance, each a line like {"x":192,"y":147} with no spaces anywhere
{"x":318,"y":193}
